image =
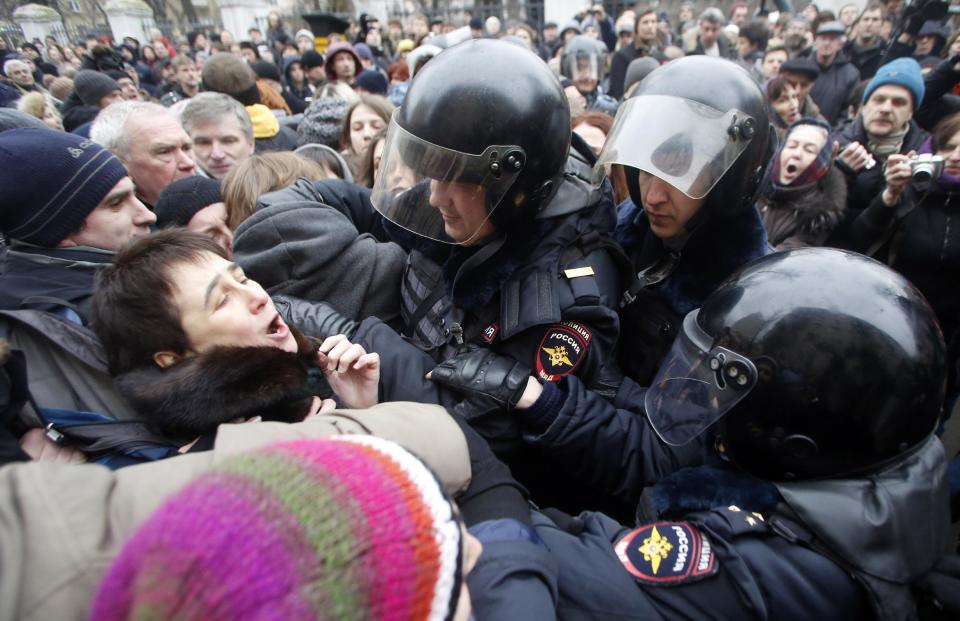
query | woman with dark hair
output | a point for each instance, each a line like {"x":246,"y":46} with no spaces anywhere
{"x":783,"y":103}
{"x":147,"y":55}
{"x":806,"y":195}
{"x":295,"y":79}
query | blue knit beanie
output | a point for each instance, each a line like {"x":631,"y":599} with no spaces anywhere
{"x":50,"y":182}
{"x":903,"y":72}
{"x":371,"y":81}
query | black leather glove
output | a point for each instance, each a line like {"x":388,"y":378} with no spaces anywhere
{"x":475,"y":371}
{"x":316,"y":319}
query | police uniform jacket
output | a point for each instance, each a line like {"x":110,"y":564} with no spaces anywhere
{"x":726,"y":546}
{"x":669,"y":281}
{"x":545,"y":296}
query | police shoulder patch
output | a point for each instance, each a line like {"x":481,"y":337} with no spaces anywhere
{"x":666,"y":553}
{"x":562,"y":349}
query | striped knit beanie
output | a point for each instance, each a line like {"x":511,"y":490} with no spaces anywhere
{"x":50,"y":182}
{"x":345,"y":528}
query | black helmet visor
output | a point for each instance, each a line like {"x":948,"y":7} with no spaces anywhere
{"x":439,"y":193}
{"x":698,"y":382}
{"x":685,"y":143}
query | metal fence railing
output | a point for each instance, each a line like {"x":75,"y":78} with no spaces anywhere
{"x":11,"y":34}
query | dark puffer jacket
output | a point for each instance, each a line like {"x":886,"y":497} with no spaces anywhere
{"x":832,"y":89}
{"x":920,"y":238}
{"x":798,"y":217}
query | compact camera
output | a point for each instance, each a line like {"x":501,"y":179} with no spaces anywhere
{"x":926,"y":167}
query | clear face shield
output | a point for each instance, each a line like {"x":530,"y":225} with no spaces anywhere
{"x":697,"y":383}
{"x":685,"y":143}
{"x":442,"y":194}
{"x":583,"y":69}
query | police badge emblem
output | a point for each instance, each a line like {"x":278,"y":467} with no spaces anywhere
{"x":561,"y":350}
{"x":666,"y":553}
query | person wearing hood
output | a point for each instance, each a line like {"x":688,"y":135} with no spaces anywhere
{"x":584,"y":63}
{"x":806,"y":195}
{"x":295,"y":79}
{"x":342,"y":66}
{"x":838,"y":76}
{"x":929,"y":43}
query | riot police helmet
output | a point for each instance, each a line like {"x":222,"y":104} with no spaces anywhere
{"x":478,"y":145}
{"x":583,"y":62}
{"x":698,"y":123}
{"x":816,"y":362}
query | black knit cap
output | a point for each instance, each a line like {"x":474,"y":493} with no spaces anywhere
{"x":182,"y":199}
{"x":266,"y":70}
{"x":77,"y":175}
{"x":311,"y":59}
{"x":92,"y":86}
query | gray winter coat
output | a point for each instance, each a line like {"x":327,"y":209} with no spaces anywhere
{"x":296,"y":244}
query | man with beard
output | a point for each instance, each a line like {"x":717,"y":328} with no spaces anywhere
{"x":796,"y":36}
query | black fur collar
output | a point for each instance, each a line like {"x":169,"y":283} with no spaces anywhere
{"x":194,"y":396}
{"x":716,"y":248}
{"x":707,"y":487}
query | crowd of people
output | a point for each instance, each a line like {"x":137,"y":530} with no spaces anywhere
{"x":634,"y":316}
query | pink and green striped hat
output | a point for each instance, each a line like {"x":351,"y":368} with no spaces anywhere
{"x":345,"y":528}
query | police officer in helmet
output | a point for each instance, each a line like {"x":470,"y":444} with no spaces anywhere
{"x":482,"y":181}
{"x":820,"y":373}
{"x":584,"y":62}
{"x":694,"y":141}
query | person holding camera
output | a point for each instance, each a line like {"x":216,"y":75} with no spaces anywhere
{"x":913,"y":226}
{"x":885,"y":127}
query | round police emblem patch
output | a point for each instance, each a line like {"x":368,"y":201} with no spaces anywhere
{"x":666,"y":553}
{"x":561,"y":350}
